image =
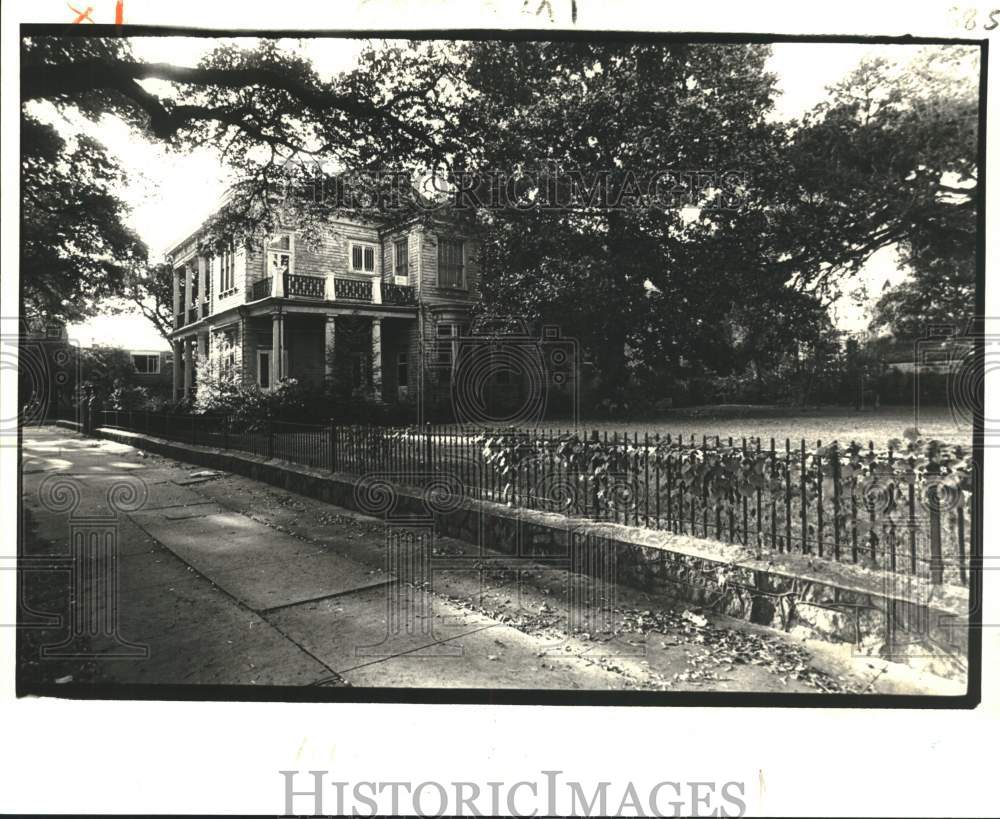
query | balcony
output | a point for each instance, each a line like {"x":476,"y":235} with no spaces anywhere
{"x":352,"y":290}
{"x":312,"y":287}
{"x":399,"y":294}
{"x":303,"y":286}
{"x":192,"y":315}
{"x":260,"y":289}
{"x":204,"y":309}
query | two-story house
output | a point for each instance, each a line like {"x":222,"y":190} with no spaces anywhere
{"x":378,"y":306}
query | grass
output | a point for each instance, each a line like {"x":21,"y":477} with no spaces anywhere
{"x":827,"y":424}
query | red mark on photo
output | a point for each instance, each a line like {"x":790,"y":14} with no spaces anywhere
{"x":81,"y":16}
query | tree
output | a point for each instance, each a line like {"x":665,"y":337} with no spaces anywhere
{"x":76,"y":249}
{"x":150,"y":289}
{"x":890,"y":160}
{"x":264,"y":108}
{"x":650,"y":281}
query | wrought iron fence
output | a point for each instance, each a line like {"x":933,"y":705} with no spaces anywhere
{"x":882,"y":509}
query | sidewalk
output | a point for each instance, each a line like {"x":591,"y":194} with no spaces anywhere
{"x":230,"y":581}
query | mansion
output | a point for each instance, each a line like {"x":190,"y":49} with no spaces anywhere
{"x":368,"y":306}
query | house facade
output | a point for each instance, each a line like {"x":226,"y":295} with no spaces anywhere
{"x":368,"y":306}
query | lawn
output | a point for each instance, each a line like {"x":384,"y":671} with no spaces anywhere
{"x":827,"y":425}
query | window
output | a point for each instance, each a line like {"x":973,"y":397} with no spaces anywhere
{"x":146,"y":364}
{"x":280,"y":253}
{"x":264,"y":369}
{"x":451,"y":263}
{"x":227,"y":353}
{"x":228,"y":279}
{"x":362,"y":258}
{"x":401,"y":261}
{"x":445,"y":335}
{"x":403,"y":369}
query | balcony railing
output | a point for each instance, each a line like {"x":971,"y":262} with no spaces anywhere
{"x":204,"y":309}
{"x":308,"y":286}
{"x":398,"y":294}
{"x":352,"y":289}
{"x":178,"y":321}
{"x":192,"y":315}
{"x":261,"y":289}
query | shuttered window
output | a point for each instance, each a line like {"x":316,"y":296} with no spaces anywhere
{"x":401,"y":266}
{"x":451,"y":263}
{"x":362,"y":258}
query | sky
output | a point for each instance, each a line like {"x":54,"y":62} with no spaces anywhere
{"x":171,"y":194}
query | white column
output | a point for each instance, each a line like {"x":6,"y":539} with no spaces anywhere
{"x":188,"y":368}
{"x":377,"y":357}
{"x":177,"y":296}
{"x":329,"y":346}
{"x":204,"y":271}
{"x":277,"y":282}
{"x":376,"y":289}
{"x":190,"y":268}
{"x":278,"y":364}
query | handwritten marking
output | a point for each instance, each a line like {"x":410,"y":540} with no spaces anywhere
{"x":81,"y":15}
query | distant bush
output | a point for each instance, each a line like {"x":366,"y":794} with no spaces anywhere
{"x":249,"y":406}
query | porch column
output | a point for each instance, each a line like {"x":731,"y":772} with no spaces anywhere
{"x":178,"y":356}
{"x":189,"y":292}
{"x":377,"y":357}
{"x":188,"y":368}
{"x":203,"y":350}
{"x":279,"y":366}
{"x":329,"y":346}
{"x":204,"y":271}
{"x":177,"y":301}
{"x":246,"y":368}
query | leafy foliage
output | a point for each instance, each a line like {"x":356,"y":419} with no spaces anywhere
{"x":744,"y":492}
{"x":108,"y":378}
{"x":76,"y":249}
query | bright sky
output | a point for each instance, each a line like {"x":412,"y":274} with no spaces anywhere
{"x":171,"y":194}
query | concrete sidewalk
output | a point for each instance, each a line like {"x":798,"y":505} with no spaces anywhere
{"x":227,"y":580}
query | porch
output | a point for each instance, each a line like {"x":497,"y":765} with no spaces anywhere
{"x":350,"y":353}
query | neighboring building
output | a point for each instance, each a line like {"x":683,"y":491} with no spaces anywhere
{"x":940,"y":356}
{"x":149,"y":363}
{"x":375,"y":306}
{"x":153,"y":369}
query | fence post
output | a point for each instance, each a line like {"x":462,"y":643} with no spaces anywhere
{"x":270,"y":438}
{"x":332,"y":432}
{"x":934,"y":507}
{"x":835,"y":466}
